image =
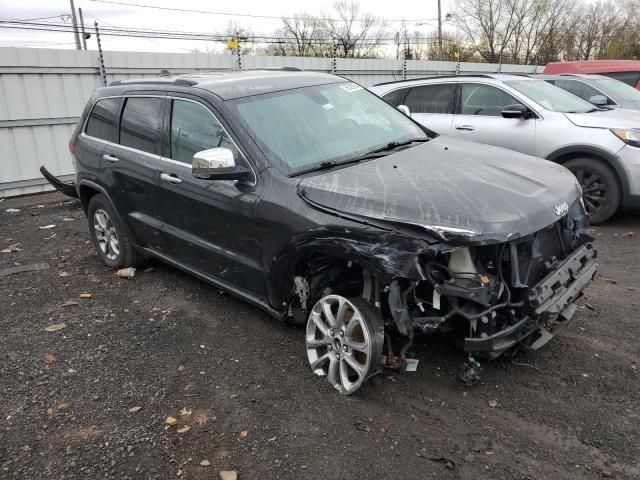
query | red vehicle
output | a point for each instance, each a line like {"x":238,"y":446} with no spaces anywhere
{"x":627,"y":71}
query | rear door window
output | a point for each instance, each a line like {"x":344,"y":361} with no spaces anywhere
{"x":478,"y":99}
{"x":430,"y":98}
{"x":102,"y":120}
{"x":193,"y":129}
{"x":140,"y":124}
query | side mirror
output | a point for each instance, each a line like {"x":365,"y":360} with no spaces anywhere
{"x":404,"y":109}
{"x":516,"y":111}
{"x":599,"y":100}
{"x":217,"y":164}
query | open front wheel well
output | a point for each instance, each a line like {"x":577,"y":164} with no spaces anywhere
{"x":317,"y":275}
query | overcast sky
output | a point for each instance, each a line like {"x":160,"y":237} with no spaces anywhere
{"x":112,"y":14}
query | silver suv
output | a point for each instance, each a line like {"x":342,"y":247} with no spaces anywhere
{"x":597,"y":89}
{"x":601,"y":147}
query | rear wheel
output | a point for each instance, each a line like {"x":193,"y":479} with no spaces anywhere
{"x":600,"y":188}
{"x":109,"y":235}
{"x":344,"y":340}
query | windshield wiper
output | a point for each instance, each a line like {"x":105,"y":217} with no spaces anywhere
{"x":378,"y":152}
{"x":389,"y":147}
{"x":324,"y":166}
{"x":595,"y":109}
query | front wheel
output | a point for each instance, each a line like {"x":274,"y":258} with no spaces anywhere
{"x":600,"y":188}
{"x":344,"y":340}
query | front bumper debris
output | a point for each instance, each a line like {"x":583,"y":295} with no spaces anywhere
{"x":69,"y":189}
{"x":548,"y":301}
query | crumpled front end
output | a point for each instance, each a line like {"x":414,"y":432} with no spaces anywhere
{"x":493,"y":297}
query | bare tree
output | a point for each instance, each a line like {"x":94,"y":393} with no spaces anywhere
{"x":300,"y":35}
{"x":355,"y":33}
{"x":489,"y":25}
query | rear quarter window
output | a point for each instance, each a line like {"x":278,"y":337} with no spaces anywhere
{"x":102,"y":119}
{"x":396,"y":97}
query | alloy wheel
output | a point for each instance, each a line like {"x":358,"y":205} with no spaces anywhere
{"x":342,"y":343}
{"x":594,"y":190}
{"x":106,"y":234}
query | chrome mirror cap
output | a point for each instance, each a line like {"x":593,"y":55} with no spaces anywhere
{"x":213,"y":158}
{"x":217,"y":164}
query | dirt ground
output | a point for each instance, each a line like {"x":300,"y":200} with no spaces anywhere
{"x":90,"y":399}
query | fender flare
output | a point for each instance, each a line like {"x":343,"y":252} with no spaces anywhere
{"x":100,"y":189}
{"x":590,"y":151}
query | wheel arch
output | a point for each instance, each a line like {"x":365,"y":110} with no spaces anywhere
{"x":382,"y":254}
{"x":318,"y":267}
{"x":563,"y":155}
{"x":87,"y":189}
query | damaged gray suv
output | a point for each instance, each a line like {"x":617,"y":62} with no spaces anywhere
{"x":318,"y":202}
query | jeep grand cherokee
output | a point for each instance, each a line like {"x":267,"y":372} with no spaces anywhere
{"x":318,"y":202}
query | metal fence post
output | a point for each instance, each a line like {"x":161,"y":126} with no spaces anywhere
{"x":500,"y":63}
{"x":103,"y":72}
{"x":334,"y":60}
{"x":239,"y":51}
{"x":404,"y":62}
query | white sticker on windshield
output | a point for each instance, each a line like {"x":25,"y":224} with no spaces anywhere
{"x":350,"y":87}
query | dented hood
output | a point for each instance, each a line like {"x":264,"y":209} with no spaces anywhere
{"x":450,"y":187}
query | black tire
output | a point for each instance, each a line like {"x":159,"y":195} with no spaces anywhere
{"x":126,"y":255}
{"x":600,"y":187}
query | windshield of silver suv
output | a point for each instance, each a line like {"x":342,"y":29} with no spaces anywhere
{"x":323,"y":125}
{"x":551,"y":97}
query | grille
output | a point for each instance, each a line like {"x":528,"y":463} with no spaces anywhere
{"x":535,"y":251}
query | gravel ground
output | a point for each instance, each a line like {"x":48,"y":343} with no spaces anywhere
{"x":90,"y":400}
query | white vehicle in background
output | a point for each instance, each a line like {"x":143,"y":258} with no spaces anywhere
{"x":600,"y":146}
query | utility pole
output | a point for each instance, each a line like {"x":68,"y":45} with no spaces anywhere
{"x":439,"y":30}
{"x":76,"y":33}
{"x":84,"y":35}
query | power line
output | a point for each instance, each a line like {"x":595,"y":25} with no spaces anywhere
{"x":248,"y":15}
{"x":199,"y":36}
{"x":40,"y":18}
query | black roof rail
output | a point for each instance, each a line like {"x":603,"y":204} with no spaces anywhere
{"x":479,"y":75}
{"x":271,"y":69}
{"x":178,"y":82}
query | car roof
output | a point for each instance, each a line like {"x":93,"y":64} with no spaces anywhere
{"x":593,"y":66}
{"x":586,"y":76}
{"x":232,"y":84}
{"x":498,"y":77}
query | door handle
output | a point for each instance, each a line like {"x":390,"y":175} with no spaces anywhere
{"x":469,"y":128}
{"x":170,"y":178}
{"x":110,"y":158}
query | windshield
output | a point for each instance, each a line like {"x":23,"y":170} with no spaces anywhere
{"x":617,"y":89}
{"x":551,"y":97}
{"x":306,"y":127}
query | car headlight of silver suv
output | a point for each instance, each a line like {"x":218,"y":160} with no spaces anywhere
{"x":630,"y":136}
